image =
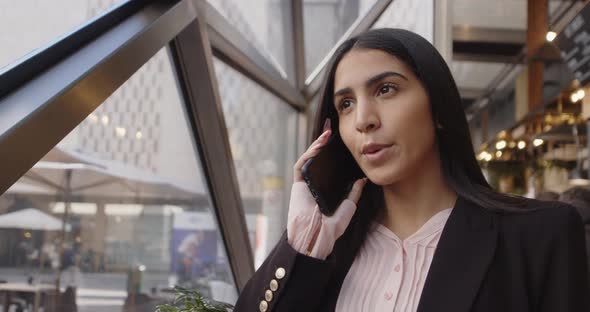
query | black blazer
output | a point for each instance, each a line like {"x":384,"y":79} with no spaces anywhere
{"x":484,"y":261}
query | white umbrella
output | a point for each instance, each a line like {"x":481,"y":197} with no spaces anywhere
{"x":71,"y":173}
{"x":92,"y":176}
{"x":117,"y":181}
{"x":26,"y":188}
{"x":30,"y":219}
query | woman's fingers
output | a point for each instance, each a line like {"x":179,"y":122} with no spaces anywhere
{"x":357,"y":190}
{"x":335,"y":225}
{"x":311,"y":151}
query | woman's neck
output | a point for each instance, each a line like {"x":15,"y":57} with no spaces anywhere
{"x":411,"y":202}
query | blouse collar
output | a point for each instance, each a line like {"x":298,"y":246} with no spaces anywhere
{"x":433,"y":226}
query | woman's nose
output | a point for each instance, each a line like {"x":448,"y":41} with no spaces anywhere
{"x":367,"y":118}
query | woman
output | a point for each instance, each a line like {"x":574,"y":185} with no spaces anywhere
{"x":429,"y":233}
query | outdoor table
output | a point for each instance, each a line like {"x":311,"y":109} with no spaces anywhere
{"x":36,"y":289}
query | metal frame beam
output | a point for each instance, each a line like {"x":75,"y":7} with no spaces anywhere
{"x":194,"y":63}
{"x":313,"y":83}
{"x":19,"y":73}
{"x":298,"y":43}
{"x":41,"y":112}
{"x":234,"y":49}
{"x":487,"y":58}
{"x":470,"y":93}
{"x":492,"y":35}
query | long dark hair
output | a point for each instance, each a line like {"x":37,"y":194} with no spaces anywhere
{"x":459,"y":165}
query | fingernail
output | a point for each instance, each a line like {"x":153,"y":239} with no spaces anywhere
{"x":327,"y":124}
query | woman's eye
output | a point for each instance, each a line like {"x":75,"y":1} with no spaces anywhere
{"x":345,"y":104}
{"x":386,"y":89}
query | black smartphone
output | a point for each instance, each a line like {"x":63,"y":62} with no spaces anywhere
{"x":331,"y":174}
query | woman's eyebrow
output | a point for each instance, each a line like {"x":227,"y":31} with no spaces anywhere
{"x":372,"y":81}
{"x":342,"y":92}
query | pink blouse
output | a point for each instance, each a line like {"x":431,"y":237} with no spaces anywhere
{"x":388,"y":274}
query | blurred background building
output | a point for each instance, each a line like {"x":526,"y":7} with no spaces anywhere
{"x":147,"y":144}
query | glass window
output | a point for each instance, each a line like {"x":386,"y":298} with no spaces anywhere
{"x":262,"y":134}
{"x":264,"y":23}
{"x":138,"y":217}
{"x":413,"y":15}
{"x":29,"y":25}
{"x":325,"y":22}
{"x":475,"y":75}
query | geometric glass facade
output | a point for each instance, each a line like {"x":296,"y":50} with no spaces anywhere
{"x":139,"y":218}
{"x":262,"y":134}
{"x":181,"y":131}
{"x":39,"y":22}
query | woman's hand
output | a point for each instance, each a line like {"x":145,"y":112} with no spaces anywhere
{"x":308,"y":230}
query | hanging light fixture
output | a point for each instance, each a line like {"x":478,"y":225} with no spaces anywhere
{"x":577,"y":95}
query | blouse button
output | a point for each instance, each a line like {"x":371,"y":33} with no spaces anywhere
{"x":388,"y":295}
{"x":396,"y":268}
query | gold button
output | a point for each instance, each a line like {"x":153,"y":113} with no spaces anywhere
{"x":263,"y":306}
{"x":280,"y":273}
{"x":274,"y":285}
{"x":268,"y":295}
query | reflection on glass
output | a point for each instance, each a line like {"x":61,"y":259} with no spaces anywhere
{"x":264,"y":23}
{"x":416,"y":16}
{"x":325,"y":22}
{"x":117,"y":213}
{"x":262,"y":135}
{"x":29,"y":25}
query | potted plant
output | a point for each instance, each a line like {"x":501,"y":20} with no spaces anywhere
{"x":187,"y":300}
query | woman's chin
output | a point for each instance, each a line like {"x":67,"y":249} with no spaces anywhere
{"x":381,"y":179}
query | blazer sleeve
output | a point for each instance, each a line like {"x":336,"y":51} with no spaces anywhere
{"x":566,"y":280}
{"x":286,"y":281}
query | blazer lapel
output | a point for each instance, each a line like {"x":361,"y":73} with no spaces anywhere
{"x":461,"y":259}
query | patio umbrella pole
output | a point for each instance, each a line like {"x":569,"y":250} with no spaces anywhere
{"x":66,"y":197}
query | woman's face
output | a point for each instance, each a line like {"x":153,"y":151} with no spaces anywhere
{"x":384,"y":115}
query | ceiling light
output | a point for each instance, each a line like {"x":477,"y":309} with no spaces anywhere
{"x":512,"y":144}
{"x":500,"y":144}
{"x":578,"y":95}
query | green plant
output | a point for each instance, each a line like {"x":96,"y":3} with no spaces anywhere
{"x":187,"y":300}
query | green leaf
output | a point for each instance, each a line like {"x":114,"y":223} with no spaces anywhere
{"x":190,"y":300}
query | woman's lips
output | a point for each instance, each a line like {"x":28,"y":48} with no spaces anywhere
{"x":377,"y":155}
